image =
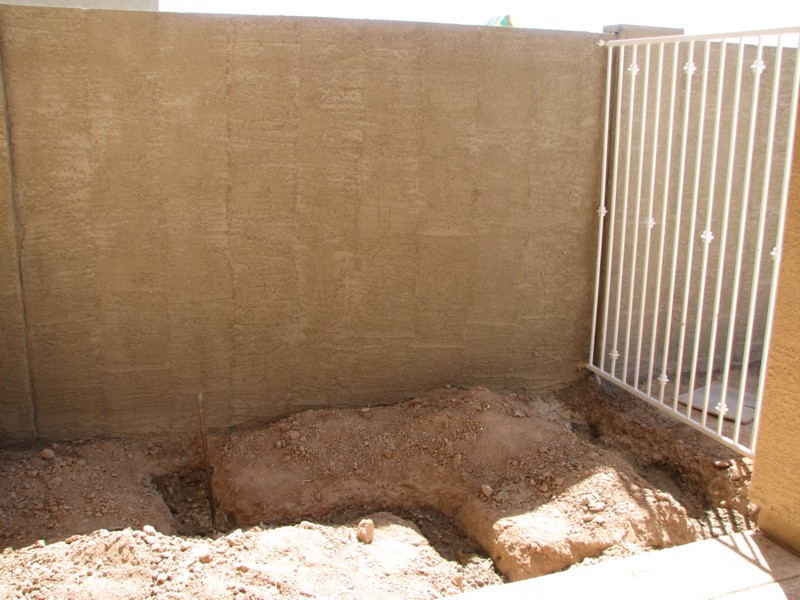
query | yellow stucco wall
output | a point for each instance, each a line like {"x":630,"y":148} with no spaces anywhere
{"x":776,"y":476}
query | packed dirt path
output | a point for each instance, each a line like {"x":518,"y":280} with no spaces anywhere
{"x":463,"y":487}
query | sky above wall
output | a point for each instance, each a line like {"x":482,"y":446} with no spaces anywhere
{"x":694,"y":16}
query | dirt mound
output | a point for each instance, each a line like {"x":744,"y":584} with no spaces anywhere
{"x":536,"y":496}
{"x":301,"y":561}
{"x":463,"y":486}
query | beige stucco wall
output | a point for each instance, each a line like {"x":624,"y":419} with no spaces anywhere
{"x":296,"y":212}
{"x":776,"y":474}
{"x":16,"y":420}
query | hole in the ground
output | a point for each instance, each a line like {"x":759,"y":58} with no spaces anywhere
{"x":668,"y":478}
{"x":184,"y":493}
{"x":662,"y":475}
{"x":585,"y":430}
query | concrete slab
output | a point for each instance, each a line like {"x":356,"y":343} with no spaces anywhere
{"x":732,"y":566}
{"x":714,"y":397}
{"x":788,"y":589}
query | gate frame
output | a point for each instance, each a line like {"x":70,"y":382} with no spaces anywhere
{"x":616,"y":68}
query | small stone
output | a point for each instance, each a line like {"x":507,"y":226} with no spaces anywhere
{"x":149,"y":530}
{"x":722,"y":464}
{"x":600,"y":520}
{"x":447,"y":386}
{"x":519,"y":414}
{"x":366,"y":531}
{"x":542,"y":450}
{"x":150,"y":540}
{"x":597,"y":506}
{"x":365,"y":409}
{"x":457,"y":461}
{"x":161,"y":578}
{"x":544,"y":488}
{"x":487,"y":490}
{"x":40,"y":543}
{"x":279,"y":444}
{"x":585,"y":501}
{"x":242,"y":568}
{"x":185,"y":545}
{"x":558,"y":482}
{"x":205,"y":558}
{"x":73,"y":538}
{"x":587,"y":517}
{"x":48,"y":454}
{"x":387,"y":454}
{"x":294,"y":435}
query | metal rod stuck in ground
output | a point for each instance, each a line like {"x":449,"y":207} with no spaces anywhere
{"x":212,"y":503}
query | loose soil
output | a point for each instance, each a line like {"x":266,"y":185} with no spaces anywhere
{"x":465,"y":487}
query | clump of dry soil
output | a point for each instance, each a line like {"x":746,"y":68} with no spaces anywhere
{"x":466,"y":488}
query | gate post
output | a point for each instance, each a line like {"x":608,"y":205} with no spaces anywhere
{"x":776,"y":473}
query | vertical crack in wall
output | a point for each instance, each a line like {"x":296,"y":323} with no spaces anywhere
{"x":17,"y":246}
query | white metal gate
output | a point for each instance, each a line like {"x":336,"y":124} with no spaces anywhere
{"x":698,"y":142}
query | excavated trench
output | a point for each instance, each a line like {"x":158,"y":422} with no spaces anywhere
{"x":503,"y":486}
{"x":533,"y":487}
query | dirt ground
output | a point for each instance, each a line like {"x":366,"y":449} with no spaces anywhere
{"x":464,"y":487}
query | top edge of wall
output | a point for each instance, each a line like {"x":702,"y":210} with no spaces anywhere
{"x":115,"y":5}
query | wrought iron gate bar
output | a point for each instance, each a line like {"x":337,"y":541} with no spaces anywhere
{"x":697,"y":151}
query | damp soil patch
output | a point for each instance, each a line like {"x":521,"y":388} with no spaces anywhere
{"x":185,"y":494}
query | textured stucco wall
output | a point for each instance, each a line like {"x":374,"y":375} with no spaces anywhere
{"x":15,"y":405}
{"x":296,"y":212}
{"x":776,"y":473}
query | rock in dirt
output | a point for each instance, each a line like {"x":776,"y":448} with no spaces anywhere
{"x":48,"y":454}
{"x":487,"y":490}
{"x":366,"y":531}
{"x":597,"y":506}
